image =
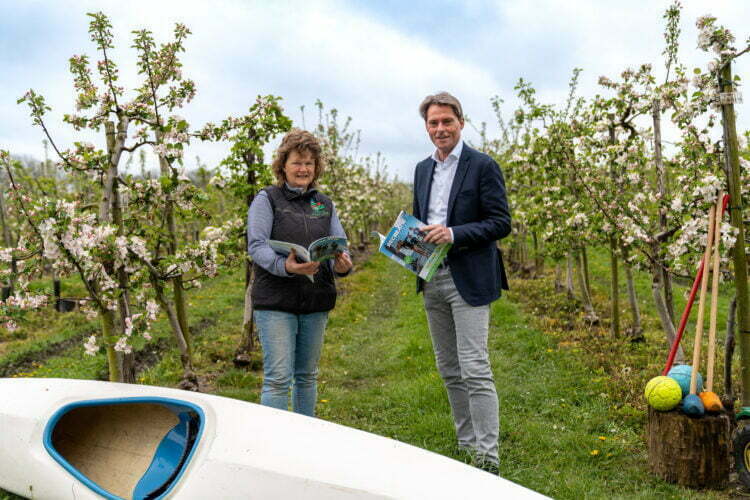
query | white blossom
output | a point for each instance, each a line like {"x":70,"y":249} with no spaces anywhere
{"x":90,"y":346}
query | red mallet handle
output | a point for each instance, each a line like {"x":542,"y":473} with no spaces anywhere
{"x":689,"y":305}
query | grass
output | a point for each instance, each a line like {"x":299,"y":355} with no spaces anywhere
{"x":569,"y":428}
{"x":632,"y":365}
{"x":576,"y":434}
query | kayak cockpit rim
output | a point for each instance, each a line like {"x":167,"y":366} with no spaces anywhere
{"x":169,"y":457}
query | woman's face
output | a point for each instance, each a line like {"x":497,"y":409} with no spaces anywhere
{"x":299,"y":169}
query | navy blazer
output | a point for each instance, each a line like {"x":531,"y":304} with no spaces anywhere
{"x":478,"y":214}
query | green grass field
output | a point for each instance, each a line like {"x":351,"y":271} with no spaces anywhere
{"x":571,"y":422}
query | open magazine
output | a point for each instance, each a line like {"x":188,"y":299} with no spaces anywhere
{"x":405,"y":244}
{"x":318,"y":251}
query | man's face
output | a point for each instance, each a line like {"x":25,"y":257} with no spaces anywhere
{"x":444,"y":128}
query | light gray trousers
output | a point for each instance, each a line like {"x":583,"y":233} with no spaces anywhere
{"x":459,"y":339}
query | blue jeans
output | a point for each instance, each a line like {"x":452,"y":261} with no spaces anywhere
{"x":291,"y":351}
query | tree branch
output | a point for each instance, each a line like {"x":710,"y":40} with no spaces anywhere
{"x":109,"y":77}
{"x":138,"y":145}
{"x":70,"y":257}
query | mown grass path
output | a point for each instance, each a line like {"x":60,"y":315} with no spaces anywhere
{"x":559,"y":435}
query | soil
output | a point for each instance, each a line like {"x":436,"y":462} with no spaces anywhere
{"x":28,"y":361}
{"x":152,"y":353}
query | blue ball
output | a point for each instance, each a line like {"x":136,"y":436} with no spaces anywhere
{"x":693,"y":406}
{"x":682,"y":374}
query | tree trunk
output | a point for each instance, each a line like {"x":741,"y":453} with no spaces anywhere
{"x":180,"y":310}
{"x":615,"y":275}
{"x":586,"y":273}
{"x":558,"y":277}
{"x":538,"y":257}
{"x":115,"y":143}
{"x":636,"y":330}
{"x":189,"y":380}
{"x":615,"y":287}
{"x":7,"y":290}
{"x":246,"y":348}
{"x":7,"y":241}
{"x":11,"y":285}
{"x":662,"y":185}
{"x":668,"y":295}
{"x":243,"y":356}
{"x":108,"y":209}
{"x":108,"y":333}
{"x":588,"y":305}
{"x":661,"y":308}
{"x":569,"y":275}
{"x":692,"y":452}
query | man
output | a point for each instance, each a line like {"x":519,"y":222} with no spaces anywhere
{"x":460,"y":193}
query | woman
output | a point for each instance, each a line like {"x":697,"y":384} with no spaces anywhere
{"x":291,"y":310}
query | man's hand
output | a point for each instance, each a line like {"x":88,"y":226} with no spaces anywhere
{"x":343,"y":263}
{"x":437,"y":234}
{"x":293,"y":267}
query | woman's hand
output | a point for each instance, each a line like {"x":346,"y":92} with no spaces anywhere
{"x":343,"y":263}
{"x":293,"y":267}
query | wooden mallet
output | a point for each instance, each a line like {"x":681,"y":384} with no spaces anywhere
{"x":692,"y":404}
{"x":712,"y":402}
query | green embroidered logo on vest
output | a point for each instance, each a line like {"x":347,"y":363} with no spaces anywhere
{"x":318,"y":209}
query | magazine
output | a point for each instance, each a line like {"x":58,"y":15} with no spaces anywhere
{"x":405,"y":244}
{"x":318,"y":251}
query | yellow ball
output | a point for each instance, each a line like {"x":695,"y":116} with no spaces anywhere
{"x":663,"y":393}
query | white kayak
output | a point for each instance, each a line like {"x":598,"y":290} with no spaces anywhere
{"x":80,"y":439}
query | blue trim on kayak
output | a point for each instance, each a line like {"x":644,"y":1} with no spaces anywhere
{"x":166,"y":461}
{"x":178,"y":407}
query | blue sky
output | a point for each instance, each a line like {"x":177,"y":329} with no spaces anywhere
{"x":372,"y":60}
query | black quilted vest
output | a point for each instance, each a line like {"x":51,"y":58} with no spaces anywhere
{"x":299,"y":218}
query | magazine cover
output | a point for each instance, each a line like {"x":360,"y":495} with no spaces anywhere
{"x":319,"y":250}
{"x":327,"y":248}
{"x":405,"y":244}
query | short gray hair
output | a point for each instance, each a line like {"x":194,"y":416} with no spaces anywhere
{"x":441,"y":99}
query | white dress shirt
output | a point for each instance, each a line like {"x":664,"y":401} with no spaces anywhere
{"x":442,"y":180}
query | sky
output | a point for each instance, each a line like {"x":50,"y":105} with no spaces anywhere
{"x":372,"y":60}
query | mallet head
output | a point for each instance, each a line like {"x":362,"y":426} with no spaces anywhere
{"x":693,"y":406}
{"x":711,"y":402}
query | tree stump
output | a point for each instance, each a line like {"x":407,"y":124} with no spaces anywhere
{"x":692,"y":452}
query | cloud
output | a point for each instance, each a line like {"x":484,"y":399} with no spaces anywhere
{"x":371,"y":61}
{"x":368,"y":70}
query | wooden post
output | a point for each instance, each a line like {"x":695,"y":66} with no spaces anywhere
{"x":692,"y":452}
{"x":731,"y":149}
